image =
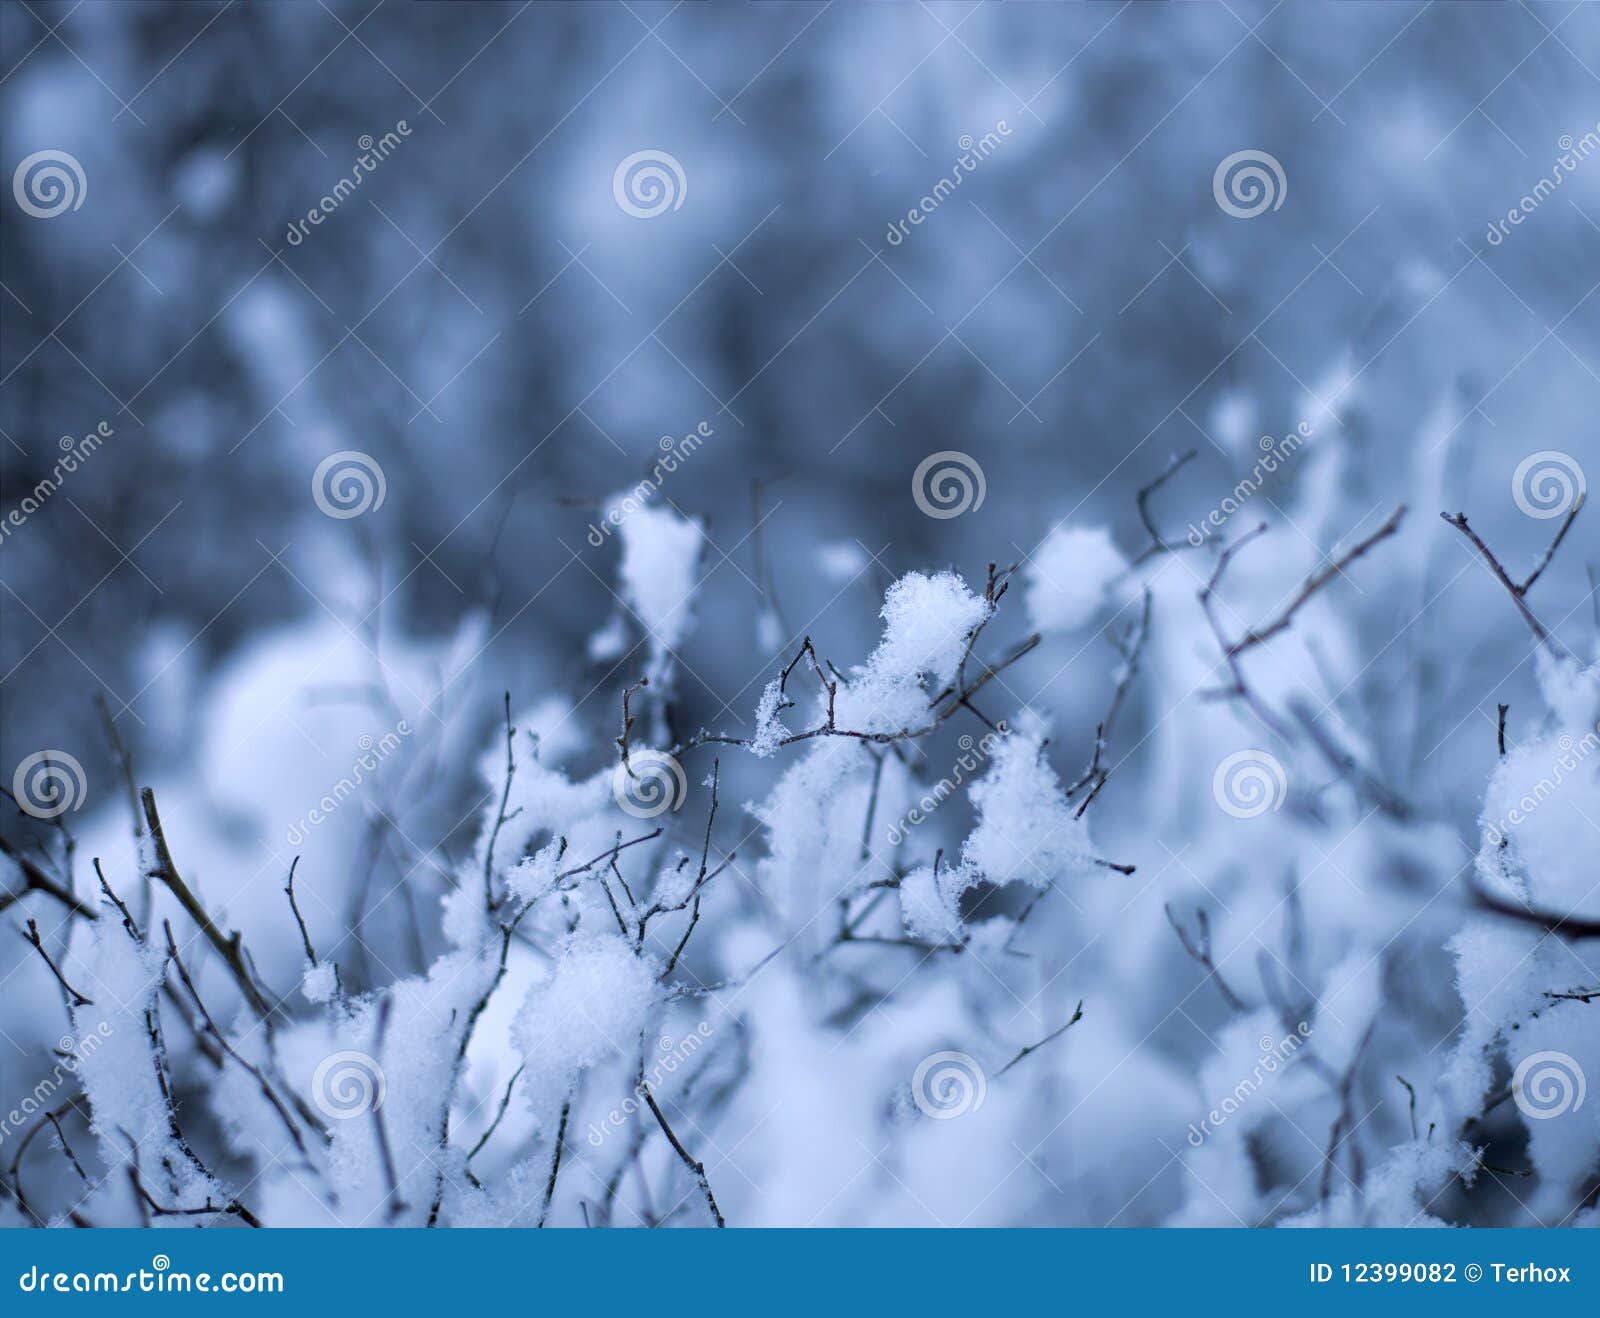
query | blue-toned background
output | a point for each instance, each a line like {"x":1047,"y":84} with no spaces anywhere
{"x":509,"y":327}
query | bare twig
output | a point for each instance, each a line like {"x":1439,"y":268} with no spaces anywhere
{"x":1159,"y":544}
{"x":500,"y":815}
{"x":228,"y":946}
{"x":31,"y":935}
{"x":1077,"y":1016}
{"x":35,"y":879}
{"x":1200,"y":950}
{"x":1312,"y":584}
{"x":1518,"y":592}
{"x":685,"y":1157}
{"x":555,"y":1161}
{"x":1566,"y":926}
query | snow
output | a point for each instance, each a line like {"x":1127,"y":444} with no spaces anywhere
{"x":660,"y":559}
{"x":927,"y":620}
{"x":594,"y":1007}
{"x":1069,"y":577}
{"x":319,"y":983}
{"x":1026,"y":831}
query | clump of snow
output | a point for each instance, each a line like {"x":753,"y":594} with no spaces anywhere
{"x":610,"y":642}
{"x":927,"y":621}
{"x":319,"y":983}
{"x":930,"y":904}
{"x":769,"y":630}
{"x":533,"y":876}
{"x":660,"y":555}
{"x":841,"y":559}
{"x":121,"y":1071}
{"x":674,"y":884}
{"x":1026,"y":830}
{"x":769,"y":731}
{"x":594,"y":1006}
{"x":1069,"y":575}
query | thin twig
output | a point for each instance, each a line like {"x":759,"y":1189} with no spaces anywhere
{"x":684,"y":1155}
{"x":1077,"y":1016}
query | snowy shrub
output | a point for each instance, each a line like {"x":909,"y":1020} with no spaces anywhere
{"x":449,"y":787}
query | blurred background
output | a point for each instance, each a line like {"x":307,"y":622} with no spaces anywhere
{"x":510,"y":344}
